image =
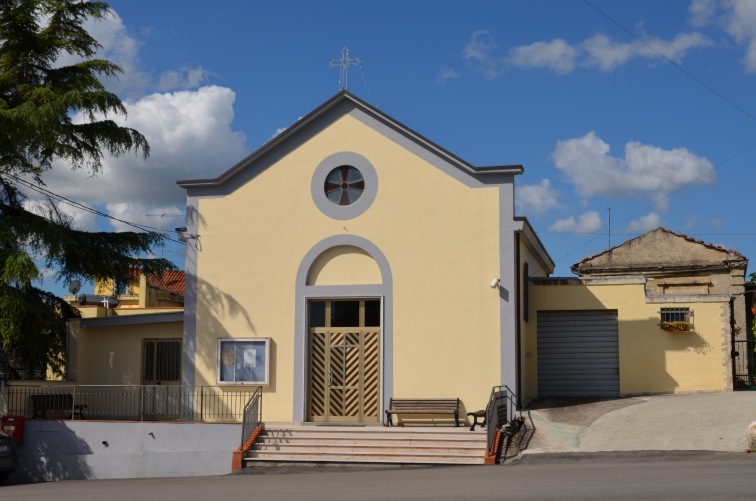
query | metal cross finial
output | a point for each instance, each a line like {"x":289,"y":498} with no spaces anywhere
{"x":343,"y":65}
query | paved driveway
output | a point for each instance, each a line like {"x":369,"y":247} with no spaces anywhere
{"x":710,"y":421}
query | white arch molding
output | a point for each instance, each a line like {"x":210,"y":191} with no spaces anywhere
{"x":306,"y":292}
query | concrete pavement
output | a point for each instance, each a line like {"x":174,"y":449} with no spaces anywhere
{"x":729,"y":478}
{"x":703,"y":422}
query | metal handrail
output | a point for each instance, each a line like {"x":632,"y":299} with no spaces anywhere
{"x":252,"y":416}
{"x":136,"y":402}
{"x":500,"y":410}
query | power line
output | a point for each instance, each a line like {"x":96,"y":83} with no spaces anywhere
{"x":164,"y":215}
{"x":80,"y":206}
{"x":697,"y":80}
{"x":679,"y":67}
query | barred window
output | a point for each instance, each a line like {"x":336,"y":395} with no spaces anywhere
{"x":675,"y":314}
{"x":161,"y":361}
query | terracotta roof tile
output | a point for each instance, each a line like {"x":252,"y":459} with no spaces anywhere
{"x":172,"y":280}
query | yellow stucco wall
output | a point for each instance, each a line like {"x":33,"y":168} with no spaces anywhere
{"x":651,"y":360}
{"x":439,"y":236}
{"x":113,"y":355}
{"x":535,"y":268}
{"x":342,"y":265}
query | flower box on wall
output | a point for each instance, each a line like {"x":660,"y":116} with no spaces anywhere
{"x":679,"y":326}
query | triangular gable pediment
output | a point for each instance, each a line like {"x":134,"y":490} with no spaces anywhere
{"x":658,"y":250}
{"x":342,"y":104}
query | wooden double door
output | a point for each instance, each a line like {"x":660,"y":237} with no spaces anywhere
{"x":344,"y":360}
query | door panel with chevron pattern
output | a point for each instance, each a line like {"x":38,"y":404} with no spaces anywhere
{"x":344,"y":374}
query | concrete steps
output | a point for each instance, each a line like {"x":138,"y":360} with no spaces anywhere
{"x":369,"y":445}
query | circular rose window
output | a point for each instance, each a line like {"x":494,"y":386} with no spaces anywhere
{"x":344,"y":185}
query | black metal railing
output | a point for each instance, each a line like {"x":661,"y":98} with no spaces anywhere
{"x":744,"y":364}
{"x":500,"y":410}
{"x":133,"y":402}
{"x":252,"y":416}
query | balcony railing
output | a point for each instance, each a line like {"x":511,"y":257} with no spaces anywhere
{"x":132,"y":403}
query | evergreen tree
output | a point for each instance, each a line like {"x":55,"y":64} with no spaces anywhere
{"x":38,"y":99}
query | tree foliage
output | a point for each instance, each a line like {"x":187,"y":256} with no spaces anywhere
{"x":53,"y":114}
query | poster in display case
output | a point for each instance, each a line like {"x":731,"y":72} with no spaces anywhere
{"x":244,"y":361}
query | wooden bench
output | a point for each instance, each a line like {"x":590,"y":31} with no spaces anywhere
{"x":59,"y":402}
{"x":426,"y":406}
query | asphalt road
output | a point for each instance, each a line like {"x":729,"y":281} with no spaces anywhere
{"x":603,"y":476}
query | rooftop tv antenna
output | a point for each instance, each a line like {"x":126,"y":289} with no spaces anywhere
{"x":609,"y":210}
{"x":344,"y":63}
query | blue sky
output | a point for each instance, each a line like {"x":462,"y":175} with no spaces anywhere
{"x":644,"y":107}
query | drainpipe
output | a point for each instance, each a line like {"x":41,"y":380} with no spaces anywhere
{"x":733,"y":353}
{"x":518,"y":316}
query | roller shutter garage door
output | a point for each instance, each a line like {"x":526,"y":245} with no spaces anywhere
{"x":578,"y":354}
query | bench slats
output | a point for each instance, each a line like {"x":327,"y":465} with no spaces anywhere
{"x":423,"y":406}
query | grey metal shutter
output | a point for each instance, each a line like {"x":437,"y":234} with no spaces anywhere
{"x":578,"y":353}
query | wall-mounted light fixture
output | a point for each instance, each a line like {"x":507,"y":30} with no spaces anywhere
{"x":184,"y":235}
{"x":495,"y":283}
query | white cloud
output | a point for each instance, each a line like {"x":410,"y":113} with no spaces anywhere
{"x":536,"y":198}
{"x":644,"y":169}
{"x":47,"y":273}
{"x":478,"y":51}
{"x":446,"y":74}
{"x":80,"y":219}
{"x":281,"y":130}
{"x":711,"y":222}
{"x":479,"y":47}
{"x":677,"y":48}
{"x":714,"y":222}
{"x":185,"y":78}
{"x":648,"y":222}
{"x":556,"y":55}
{"x":701,"y":12}
{"x":741,"y":23}
{"x":736,"y":17}
{"x":607,"y":55}
{"x":661,"y":202}
{"x":590,"y":222}
{"x":143,"y":215}
{"x":561,"y":57}
{"x":191,"y":137}
{"x":119,"y":47}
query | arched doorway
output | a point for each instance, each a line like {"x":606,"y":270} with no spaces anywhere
{"x":344,"y":342}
